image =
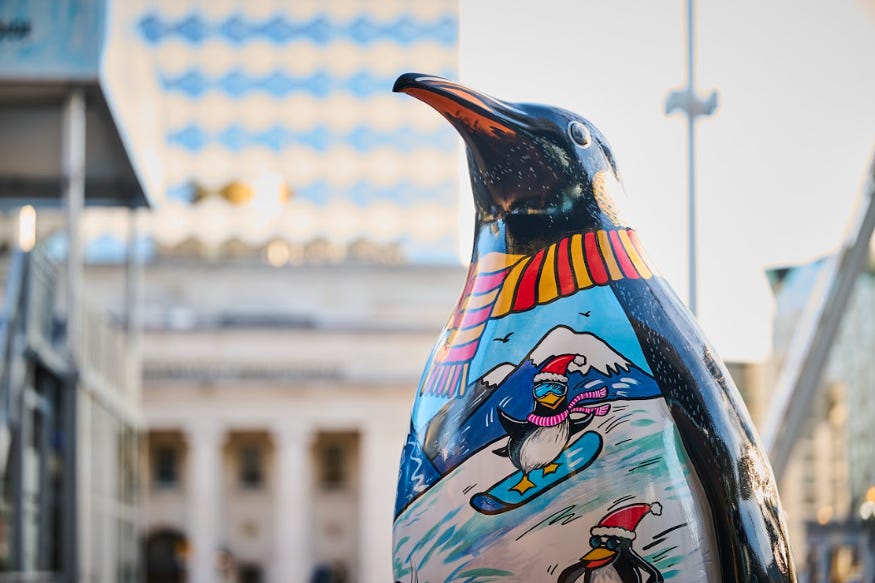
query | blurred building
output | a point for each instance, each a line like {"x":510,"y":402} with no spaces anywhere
{"x":297,"y":272}
{"x":831,"y":473}
{"x":280,"y":129}
{"x":69,"y":377}
{"x":277,"y":400}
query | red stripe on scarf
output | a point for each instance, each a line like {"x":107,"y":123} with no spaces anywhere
{"x":622,"y":257}
{"x":594,"y":261}
{"x":526,"y":291}
{"x":564,"y":272}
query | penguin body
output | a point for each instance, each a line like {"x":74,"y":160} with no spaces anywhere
{"x":555,"y":271}
{"x":532,"y":447}
{"x":538,"y":446}
{"x":621,"y":569}
{"x":535,"y":447}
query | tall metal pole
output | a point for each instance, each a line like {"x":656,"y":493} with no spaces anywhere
{"x":74,"y":197}
{"x":133,"y":306}
{"x":691,"y":153}
{"x":693,"y":106}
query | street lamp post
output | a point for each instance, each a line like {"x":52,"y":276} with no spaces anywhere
{"x":692,"y":105}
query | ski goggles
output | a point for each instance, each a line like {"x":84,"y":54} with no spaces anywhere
{"x":544,"y":389}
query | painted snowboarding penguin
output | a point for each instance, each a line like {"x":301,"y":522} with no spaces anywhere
{"x":558,"y":285}
{"x":612,"y":558}
{"x":538,"y":441}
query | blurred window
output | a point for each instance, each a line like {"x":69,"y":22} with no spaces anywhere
{"x":251,"y":467}
{"x":333,"y":471}
{"x":334,"y":572}
{"x":165,"y":467}
{"x":250,"y":573}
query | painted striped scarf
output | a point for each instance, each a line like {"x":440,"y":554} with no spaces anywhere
{"x":554,"y":420}
{"x":501,"y":284}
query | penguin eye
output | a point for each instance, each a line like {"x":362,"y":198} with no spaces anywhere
{"x":595,"y":541}
{"x":579,"y":134}
{"x":612,"y":544}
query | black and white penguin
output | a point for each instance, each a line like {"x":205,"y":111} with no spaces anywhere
{"x":542,"y":174}
{"x":612,"y":558}
{"x":537,"y":441}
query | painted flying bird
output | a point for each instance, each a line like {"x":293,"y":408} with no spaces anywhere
{"x":543,"y":181}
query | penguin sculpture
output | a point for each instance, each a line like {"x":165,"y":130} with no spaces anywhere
{"x":556,"y":273}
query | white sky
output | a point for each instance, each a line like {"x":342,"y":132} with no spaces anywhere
{"x":781,"y":164}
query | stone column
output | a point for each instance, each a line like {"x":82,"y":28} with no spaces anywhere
{"x":380,"y":453}
{"x":292,"y":560}
{"x":204,"y":488}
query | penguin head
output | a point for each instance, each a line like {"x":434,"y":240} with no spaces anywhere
{"x":550,"y":394}
{"x":605,"y":550}
{"x":538,"y":170}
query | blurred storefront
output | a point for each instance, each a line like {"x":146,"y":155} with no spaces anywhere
{"x":69,"y":378}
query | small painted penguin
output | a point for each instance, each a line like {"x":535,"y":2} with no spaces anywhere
{"x":612,"y":558}
{"x":548,"y":234}
{"x":537,"y":441}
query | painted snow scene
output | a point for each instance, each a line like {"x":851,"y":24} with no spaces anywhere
{"x":555,"y":459}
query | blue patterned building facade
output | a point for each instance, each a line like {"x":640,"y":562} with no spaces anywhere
{"x":279,"y":126}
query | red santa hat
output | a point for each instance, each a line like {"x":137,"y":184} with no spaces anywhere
{"x":556,"y":369}
{"x":622,"y":522}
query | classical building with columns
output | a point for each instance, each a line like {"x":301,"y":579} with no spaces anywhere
{"x":277,"y":401}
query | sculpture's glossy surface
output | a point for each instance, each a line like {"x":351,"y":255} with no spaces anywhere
{"x":572,"y":424}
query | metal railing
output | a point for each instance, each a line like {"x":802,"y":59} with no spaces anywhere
{"x":103,"y":352}
{"x":103,"y":360}
{"x":41,"y":324}
{"x":9,"y":321}
{"x":30,"y":577}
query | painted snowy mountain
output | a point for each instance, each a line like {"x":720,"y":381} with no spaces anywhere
{"x":468,"y":424}
{"x":592,"y":353}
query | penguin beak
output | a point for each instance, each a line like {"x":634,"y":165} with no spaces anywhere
{"x":471,"y":113}
{"x":498,"y":136}
{"x":598,"y":557}
{"x":550,"y":400}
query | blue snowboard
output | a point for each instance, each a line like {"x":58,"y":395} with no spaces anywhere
{"x":576,"y":458}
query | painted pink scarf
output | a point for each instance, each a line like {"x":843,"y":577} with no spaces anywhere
{"x":554,"y":420}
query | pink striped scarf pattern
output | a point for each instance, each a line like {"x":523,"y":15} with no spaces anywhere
{"x":554,"y":420}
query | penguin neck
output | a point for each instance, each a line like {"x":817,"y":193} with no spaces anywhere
{"x":522,"y":218}
{"x":542,"y":410}
{"x":526,"y":234}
